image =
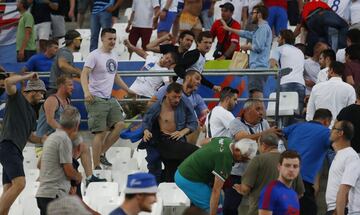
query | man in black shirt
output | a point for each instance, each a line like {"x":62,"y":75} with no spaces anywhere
{"x":352,"y":113}
{"x":185,"y":41}
{"x":19,"y":124}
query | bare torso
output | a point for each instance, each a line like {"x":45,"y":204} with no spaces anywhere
{"x":193,"y":7}
{"x":167,"y":120}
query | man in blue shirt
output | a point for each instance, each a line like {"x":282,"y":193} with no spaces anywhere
{"x":259,"y":47}
{"x":277,"y":198}
{"x":140,"y":194}
{"x":42,"y":62}
{"x":166,"y":124}
{"x":312,"y":141}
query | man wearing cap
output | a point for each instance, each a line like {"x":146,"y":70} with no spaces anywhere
{"x":202,"y":175}
{"x":140,"y":194}
{"x":56,"y":167}
{"x":19,"y":124}
{"x":228,"y":42}
{"x":64,"y":60}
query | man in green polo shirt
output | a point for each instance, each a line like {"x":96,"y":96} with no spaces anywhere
{"x":202,"y":175}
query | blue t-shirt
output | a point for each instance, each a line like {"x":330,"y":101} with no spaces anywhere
{"x":101,"y":5}
{"x":118,"y":211}
{"x":279,"y":199}
{"x":39,"y":63}
{"x":311,"y":140}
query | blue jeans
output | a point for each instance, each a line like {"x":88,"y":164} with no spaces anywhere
{"x":207,"y":21}
{"x":327,"y":19}
{"x":277,"y":19}
{"x":300,"y":89}
{"x":98,"y":21}
{"x":198,"y":193}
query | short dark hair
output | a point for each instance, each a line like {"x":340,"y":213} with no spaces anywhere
{"x":62,"y":79}
{"x":329,"y":53}
{"x":337,"y":67}
{"x":289,"y":154}
{"x":353,"y":35}
{"x":186,"y":32}
{"x":174,"y":87}
{"x":322,"y":113}
{"x":206,"y":34}
{"x":288,"y":36}
{"x":129,"y":196}
{"x":107,"y":30}
{"x":347,"y":128}
{"x":353,"y":52}
{"x":253,"y":91}
{"x":50,"y":43}
{"x":301,"y":46}
{"x":25,"y":4}
{"x":228,"y":92}
{"x":263,"y":10}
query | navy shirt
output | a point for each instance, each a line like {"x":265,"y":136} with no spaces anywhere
{"x":311,"y":140}
{"x":118,"y":211}
{"x":39,"y":63}
{"x":279,"y":199}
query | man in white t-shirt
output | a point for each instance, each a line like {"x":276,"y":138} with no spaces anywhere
{"x":217,"y":122}
{"x":147,"y":86}
{"x":326,"y":57}
{"x":341,"y":135}
{"x":349,"y":190}
{"x":104,"y":112}
{"x":141,"y":24}
{"x":286,"y":55}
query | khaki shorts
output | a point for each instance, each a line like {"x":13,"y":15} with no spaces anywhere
{"x":188,"y":22}
{"x":103,"y":114}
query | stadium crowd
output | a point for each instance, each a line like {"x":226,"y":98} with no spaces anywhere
{"x":215,"y":157}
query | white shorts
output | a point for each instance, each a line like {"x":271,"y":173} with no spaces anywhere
{"x":57,"y":26}
{"x":43,"y":30}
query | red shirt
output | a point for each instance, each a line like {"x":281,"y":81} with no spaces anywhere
{"x":311,"y":6}
{"x":218,"y":32}
{"x":278,"y":3}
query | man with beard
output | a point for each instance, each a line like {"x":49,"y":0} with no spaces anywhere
{"x":49,"y":118}
{"x":19,"y":123}
{"x":278,"y":197}
{"x":140,"y":194}
{"x":64,"y":60}
{"x":166,"y":124}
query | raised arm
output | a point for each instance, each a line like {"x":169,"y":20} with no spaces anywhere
{"x":154,"y":46}
{"x":10,"y":82}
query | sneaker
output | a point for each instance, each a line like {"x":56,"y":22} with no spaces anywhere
{"x":104,"y":161}
{"x":94,"y":179}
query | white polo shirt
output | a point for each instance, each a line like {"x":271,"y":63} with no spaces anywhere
{"x":351,"y":177}
{"x":342,"y":158}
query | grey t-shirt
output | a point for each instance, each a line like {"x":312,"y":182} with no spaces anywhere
{"x":19,"y":120}
{"x":56,"y":152}
{"x":55,"y":71}
{"x":237,"y":125}
{"x":262,"y":169}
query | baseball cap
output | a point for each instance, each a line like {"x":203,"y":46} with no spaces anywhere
{"x":72,"y":34}
{"x":228,"y":6}
{"x":140,"y":183}
{"x":35,"y":85}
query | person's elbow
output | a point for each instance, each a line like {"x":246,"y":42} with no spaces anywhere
{"x":69,"y":171}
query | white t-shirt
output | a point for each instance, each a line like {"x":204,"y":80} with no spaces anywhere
{"x":323,"y":75}
{"x":102,"y":76}
{"x":238,"y":5}
{"x":292,"y":57}
{"x":340,"y":55}
{"x":147,"y":86}
{"x":144,"y":12}
{"x":351,"y":177}
{"x":219,"y":122}
{"x":341,"y":7}
{"x":311,"y":71}
{"x":342,"y":159}
{"x":173,"y":7}
{"x":355,"y":12}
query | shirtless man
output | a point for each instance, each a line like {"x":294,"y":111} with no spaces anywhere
{"x":189,"y":18}
{"x":166,"y":124}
